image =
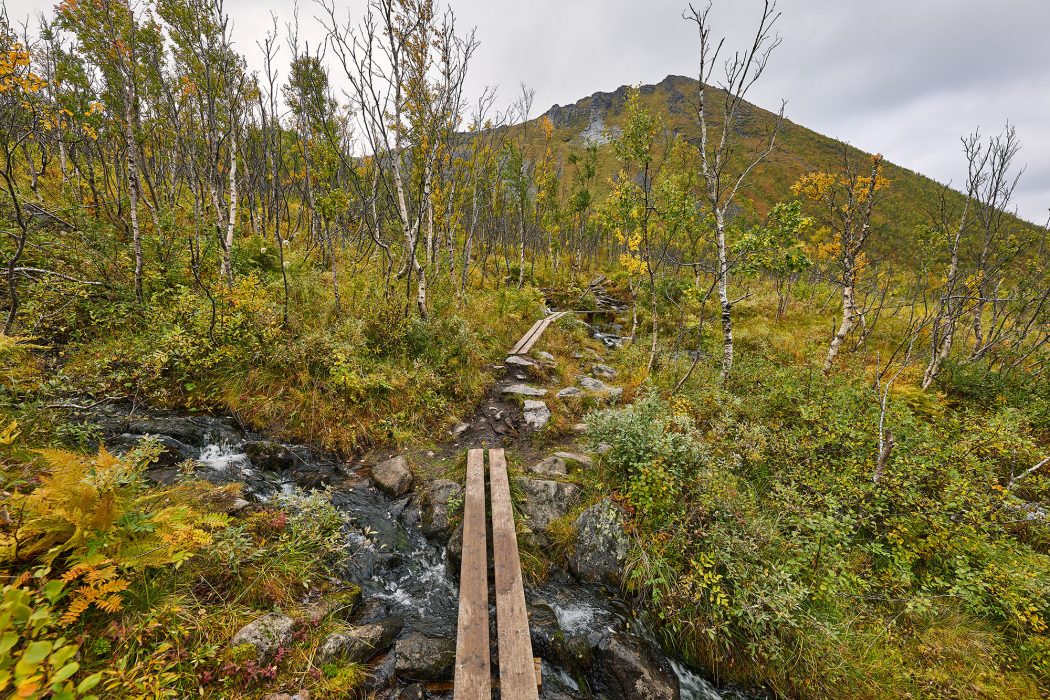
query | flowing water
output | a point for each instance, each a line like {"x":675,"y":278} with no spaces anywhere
{"x":404,"y":574}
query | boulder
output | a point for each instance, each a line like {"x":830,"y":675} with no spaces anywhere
{"x":182,"y":428}
{"x":267,"y":634}
{"x":393,"y":476}
{"x":339,"y":605}
{"x":172,"y":451}
{"x":571,"y":652}
{"x":601,"y":545}
{"x":550,"y":465}
{"x":546,"y":501}
{"x":197,"y":431}
{"x":523,"y":390}
{"x":269,"y":455}
{"x":580,"y":459}
{"x":627,"y":668}
{"x":422,"y":658}
{"x":569,"y":392}
{"x":536,"y":414}
{"x":359,"y":644}
{"x":380,"y":677}
{"x":544,"y":355}
{"x":603,"y":371}
{"x":436,"y":523}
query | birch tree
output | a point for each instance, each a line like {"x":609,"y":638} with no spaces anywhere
{"x":720,"y":115}
{"x":847,"y":201}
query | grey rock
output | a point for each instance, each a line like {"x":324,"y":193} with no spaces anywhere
{"x":372,"y":610}
{"x":412,"y":692}
{"x":459,"y":429}
{"x":192,"y":430}
{"x":237,"y":506}
{"x":422,"y":658}
{"x":436,"y":522}
{"x":550,"y":465}
{"x":544,"y":355}
{"x":546,"y":501}
{"x":601,"y":544}
{"x":359,"y":644}
{"x":603,"y":448}
{"x":299,"y":695}
{"x":269,"y":455}
{"x":569,"y":392}
{"x":267,"y":634}
{"x":570,"y":652}
{"x":455,"y":548}
{"x":339,"y":605}
{"x":393,"y":476}
{"x":519,"y":361}
{"x":626,"y":668}
{"x":172,"y":451}
{"x":579,"y":428}
{"x":182,"y":428}
{"x":581,"y":459}
{"x":381,"y":676}
{"x":603,"y":371}
{"x":594,"y":385}
{"x":536,"y":414}
{"x":523,"y":390}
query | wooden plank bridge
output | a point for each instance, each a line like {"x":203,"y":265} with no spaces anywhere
{"x":519,"y":676}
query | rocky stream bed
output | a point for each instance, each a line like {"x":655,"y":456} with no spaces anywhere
{"x":403,"y":551}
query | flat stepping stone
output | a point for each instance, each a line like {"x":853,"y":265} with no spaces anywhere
{"x":568,"y":391}
{"x":524,"y":390}
{"x":552,"y":465}
{"x":592,"y":384}
{"x":544,"y":355}
{"x":536,"y":414}
{"x":519,"y":361}
{"x":603,"y":371}
{"x":597,"y":386}
{"x":581,"y":459}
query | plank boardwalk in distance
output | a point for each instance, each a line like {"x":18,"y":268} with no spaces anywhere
{"x":516,"y":667}
{"x":525,"y":338}
{"x":530,"y":338}
{"x":473,"y":674}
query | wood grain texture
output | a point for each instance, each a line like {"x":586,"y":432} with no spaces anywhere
{"x":473,"y":672}
{"x":516,"y":666}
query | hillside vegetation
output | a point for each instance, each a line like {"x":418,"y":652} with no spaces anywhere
{"x":834,"y":432}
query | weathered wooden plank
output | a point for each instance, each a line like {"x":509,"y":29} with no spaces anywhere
{"x":516,"y":668}
{"x":473,"y":674}
{"x":539,"y":332}
{"x":525,"y":338}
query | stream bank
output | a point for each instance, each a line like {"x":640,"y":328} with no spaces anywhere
{"x":402,"y":552}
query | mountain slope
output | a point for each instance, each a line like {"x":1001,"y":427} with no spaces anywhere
{"x":914,"y":199}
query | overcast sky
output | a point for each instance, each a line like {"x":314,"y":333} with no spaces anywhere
{"x":906,"y":78}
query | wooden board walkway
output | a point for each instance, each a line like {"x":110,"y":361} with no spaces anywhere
{"x":519,"y":678}
{"x":472,"y":641}
{"x":534,"y":333}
